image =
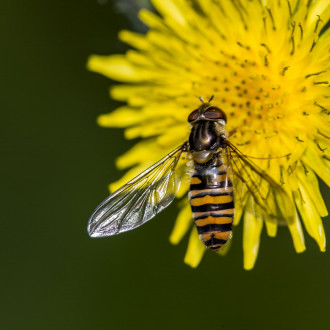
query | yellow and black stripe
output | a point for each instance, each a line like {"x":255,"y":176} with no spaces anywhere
{"x":212,"y":203}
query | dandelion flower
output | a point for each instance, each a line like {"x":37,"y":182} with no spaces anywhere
{"x":267,"y":65}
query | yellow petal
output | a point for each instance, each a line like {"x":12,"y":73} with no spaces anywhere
{"x":139,"y":154}
{"x":195,"y":250}
{"x":152,"y":20}
{"x":271,"y":227}
{"x":310,"y":216}
{"x":127,"y":92}
{"x":238,"y":215}
{"x":182,"y":224}
{"x":115,"y":67}
{"x":185,"y":176}
{"x":169,"y":10}
{"x":251,"y":238}
{"x":153,"y":128}
{"x":136,"y":40}
{"x":121,"y":117}
{"x":297,"y":235}
{"x":225,"y":249}
{"x":309,"y":181}
{"x":314,"y":160}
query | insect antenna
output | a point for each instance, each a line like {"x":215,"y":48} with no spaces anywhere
{"x":202,"y":100}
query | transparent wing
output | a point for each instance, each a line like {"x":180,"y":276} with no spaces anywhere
{"x":270,"y":200}
{"x":139,"y":200}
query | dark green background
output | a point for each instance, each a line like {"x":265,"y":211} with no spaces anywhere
{"x":56,"y":164}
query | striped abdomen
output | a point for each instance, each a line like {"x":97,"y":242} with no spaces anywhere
{"x":212,"y":204}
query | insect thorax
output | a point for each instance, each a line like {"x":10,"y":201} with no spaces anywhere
{"x":206,"y":137}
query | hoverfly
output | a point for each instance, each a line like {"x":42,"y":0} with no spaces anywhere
{"x":219,"y":170}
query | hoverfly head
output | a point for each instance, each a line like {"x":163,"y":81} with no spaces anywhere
{"x":207,"y":111}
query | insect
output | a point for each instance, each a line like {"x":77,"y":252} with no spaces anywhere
{"x":221,"y":177}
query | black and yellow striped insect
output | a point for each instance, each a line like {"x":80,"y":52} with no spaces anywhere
{"x":219,"y":170}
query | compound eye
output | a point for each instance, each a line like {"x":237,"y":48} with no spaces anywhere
{"x":193,"y":116}
{"x":215,"y":113}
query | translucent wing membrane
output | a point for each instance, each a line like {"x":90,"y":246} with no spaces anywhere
{"x":139,"y":200}
{"x":270,"y":200}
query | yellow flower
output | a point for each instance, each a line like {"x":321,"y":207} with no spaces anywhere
{"x":266,"y":63}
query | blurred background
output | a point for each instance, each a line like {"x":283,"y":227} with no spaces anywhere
{"x":56,"y":165}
